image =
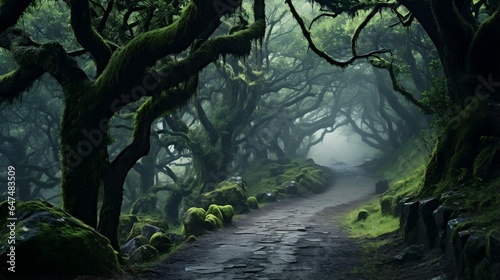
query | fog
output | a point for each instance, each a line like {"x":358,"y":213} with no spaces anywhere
{"x":342,"y":146}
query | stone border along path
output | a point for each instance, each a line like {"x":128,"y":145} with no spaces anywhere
{"x":298,"y":238}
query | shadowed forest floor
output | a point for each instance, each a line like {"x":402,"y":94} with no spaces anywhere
{"x":300,"y":238}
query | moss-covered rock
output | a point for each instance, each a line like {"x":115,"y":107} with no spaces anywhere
{"x":363,"y":215}
{"x":142,"y":227}
{"x":227,"y":213}
{"x":133,"y":244}
{"x":267,"y":197}
{"x":227,"y":192}
{"x":252,"y":202}
{"x":145,"y":253}
{"x":126,"y":224}
{"x":268,"y":176}
{"x":194,"y":222}
{"x":51,"y":244}
{"x":212,"y":222}
{"x":161,"y":242}
{"x":312,"y":180}
{"x":386,"y":204}
{"x":290,"y":187}
{"x":214,"y":210}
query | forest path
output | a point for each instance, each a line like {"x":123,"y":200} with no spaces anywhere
{"x":297,"y":238}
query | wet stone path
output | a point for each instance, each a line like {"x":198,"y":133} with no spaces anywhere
{"x":292,"y":239}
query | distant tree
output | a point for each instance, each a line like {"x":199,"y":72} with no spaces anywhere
{"x":465,"y":36}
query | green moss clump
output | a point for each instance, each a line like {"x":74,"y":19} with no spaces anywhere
{"x":161,"y":242}
{"x":138,"y":226}
{"x":126,"y":224}
{"x":228,"y":193}
{"x":194,"y":221}
{"x":214,"y":210}
{"x":212,"y":222}
{"x":47,"y":237}
{"x":227,"y":213}
{"x":252,"y":202}
{"x":145,"y":253}
{"x":266,"y":176}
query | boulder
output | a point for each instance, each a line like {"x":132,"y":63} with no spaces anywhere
{"x":194,"y":222}
{"x":400,"y":205}
{"x":290,"y":187}
{"x":228,"y":192}
{"x":51,"y":244}
{"x":450,"y":244}
{"x":149,"y":230}
{"x":215,"y":210}
{"x":312,"y":179}
{"x":363,"y":215}
{"x":442,"y":215}
{"x":252,"y":202}
{"x":409,"y":254}
{"x":161,"y":242}
{"x":227,"y":213}
{"x":145,"y":229}
{"x":381,"y":186}
{"x":212,"y":222}
{"x":409,"y":222}
{"x":473,"y":253}
{"x":427,"y":224}
{"x":175,"y":238}
{"x":145,"y":253}
{"x":386,"y":204}
{"x":133,"y":244}
{"x":126,"y":224}
{"x":267,"y":197}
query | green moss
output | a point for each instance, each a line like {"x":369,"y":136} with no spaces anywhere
{"x":126,"y":224}
{"x":47,"y":236}
{"x":214,"y":210}
{"x":161,"y":242}
{"x":267,"y":176}
{"x":212,"y":222}
{"x":374,"y":225}
{"x":194,"y":221}
{"x":227,"y":213}
{"x":228,"y":193}
{"x":252,"y":202}
{"x":139,"y":225}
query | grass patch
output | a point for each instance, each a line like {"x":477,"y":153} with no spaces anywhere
{"x":374,"y":226}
